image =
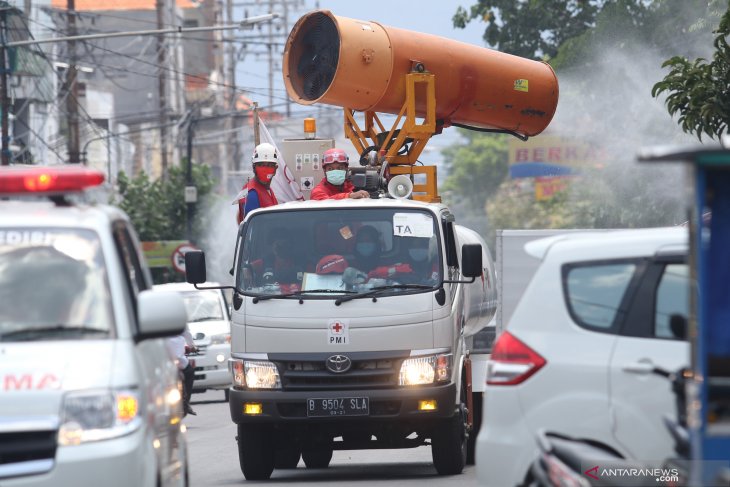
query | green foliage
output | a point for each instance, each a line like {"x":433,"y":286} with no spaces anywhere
{"x":598,"y":199}
{"x":658,"y":27}
{"x":476,"y":168}
{"x":157,"y":208}
{"x":698,"y":90}
{"x":530,"y":28}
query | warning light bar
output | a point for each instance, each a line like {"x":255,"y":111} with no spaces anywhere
{"x":48,"y":179}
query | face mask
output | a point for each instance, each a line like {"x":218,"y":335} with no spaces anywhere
{"x":264,"y":174}
{"x":418,"y":255}
{"x":365,"y":249}
{"x":336,"y":176}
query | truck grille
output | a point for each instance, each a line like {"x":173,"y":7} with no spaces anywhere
{"x":17,"y":447}
{"x":368,"y":371}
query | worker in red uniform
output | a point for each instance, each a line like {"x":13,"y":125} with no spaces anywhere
{"x":257,"y":193}
{"x":335,"y":184}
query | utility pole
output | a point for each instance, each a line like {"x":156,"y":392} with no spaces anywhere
{"x":271,"y":59}
{"x":191,"y":195}
{"x":71,"y":88}
{"x":285,"y":18}
{"x":5,"y":159}
{"x":231,"y":99}
{"x":161,"y":82}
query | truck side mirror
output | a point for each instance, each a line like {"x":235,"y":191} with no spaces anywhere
{"x":471,"y":260}
{"x":195,"y":267}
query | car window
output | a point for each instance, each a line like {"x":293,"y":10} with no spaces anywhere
{"x":595,"y":292}
{"x":134,"y":275}
{"x":203,"y":306}
{"x":53,"y":285}
{"x":672,"y":298}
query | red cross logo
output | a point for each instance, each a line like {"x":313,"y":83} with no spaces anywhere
{"x":337,"y":327}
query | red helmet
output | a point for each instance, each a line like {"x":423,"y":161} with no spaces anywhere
{"x":331,"y":156}
{"x":331,"y":264}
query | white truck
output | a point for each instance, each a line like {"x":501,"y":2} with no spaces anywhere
{"x":338,"y":345}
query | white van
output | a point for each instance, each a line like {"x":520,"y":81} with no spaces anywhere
{"x":209,"y":321}
{"x":602,"y":310}
{"x":88,"y":392}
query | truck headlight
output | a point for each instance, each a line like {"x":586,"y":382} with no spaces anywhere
{"x":255,"y":374}
{"x":220,"y":339}
{"x":98,"y":415}
{"x":425,"y":370}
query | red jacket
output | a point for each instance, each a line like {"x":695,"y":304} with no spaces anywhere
{"x":326,"y":191}
{"x":266,"y":197}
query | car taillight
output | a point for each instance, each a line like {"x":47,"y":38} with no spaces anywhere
{"x":512,"y":362}
{"x":48,"y":179}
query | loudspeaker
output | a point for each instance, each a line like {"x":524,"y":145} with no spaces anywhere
{"x":400,"y":187}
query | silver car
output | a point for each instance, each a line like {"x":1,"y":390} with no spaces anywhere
{"x":210,"y":324}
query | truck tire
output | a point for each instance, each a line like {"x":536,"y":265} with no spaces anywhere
{"x":287,"y":458}
{"x":317,"y":458}
{"x":472,"y":442}
{"x":448,"y":445}
{"x":255,"y":451}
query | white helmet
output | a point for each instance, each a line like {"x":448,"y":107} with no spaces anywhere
{"x":265,"y":153}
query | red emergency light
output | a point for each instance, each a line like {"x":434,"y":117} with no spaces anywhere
{"x":48,"y":179}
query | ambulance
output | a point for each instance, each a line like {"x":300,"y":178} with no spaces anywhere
{"x":88,"y":391}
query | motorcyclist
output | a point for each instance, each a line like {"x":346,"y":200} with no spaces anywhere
{"x":179,"y":346}
{"x":257,"y":193}
{"x":335,"y":184}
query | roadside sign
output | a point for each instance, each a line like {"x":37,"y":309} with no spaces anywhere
{"x":178,"y":256}
{"x":159,"y":252}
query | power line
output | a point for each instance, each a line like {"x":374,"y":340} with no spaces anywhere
{"x":176,"y":30}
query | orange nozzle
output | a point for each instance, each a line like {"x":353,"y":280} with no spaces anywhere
{"x":362,"y":65}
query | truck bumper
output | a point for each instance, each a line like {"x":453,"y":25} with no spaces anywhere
{"x":386,"y":405}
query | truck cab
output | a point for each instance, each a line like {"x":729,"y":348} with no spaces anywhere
{"x":348,"y":330}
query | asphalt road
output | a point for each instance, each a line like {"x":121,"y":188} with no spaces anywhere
{"x":214,"y":458}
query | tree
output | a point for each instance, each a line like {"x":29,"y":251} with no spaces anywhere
{"x":532,"y":29}
{"x":157,"y":208}
{"x":476,"y":167}
{"x":698,"y":91}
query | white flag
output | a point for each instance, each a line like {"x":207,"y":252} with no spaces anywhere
{"x":283,"y":184}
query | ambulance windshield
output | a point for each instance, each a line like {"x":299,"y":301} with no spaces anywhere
{"x":328,"y":252}
{"x":53,"y":285}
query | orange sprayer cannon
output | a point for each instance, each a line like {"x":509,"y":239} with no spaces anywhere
{"x":368,"y":67}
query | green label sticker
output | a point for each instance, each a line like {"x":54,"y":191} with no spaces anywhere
{"x":521,"y":85}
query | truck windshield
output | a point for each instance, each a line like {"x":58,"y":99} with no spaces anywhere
{"x":325,"y":253}
{"x":53,"y":285}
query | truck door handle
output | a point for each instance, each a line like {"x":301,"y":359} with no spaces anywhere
{"x":639,"y":368}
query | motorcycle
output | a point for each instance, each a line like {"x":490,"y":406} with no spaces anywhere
{"x":569,"y":462}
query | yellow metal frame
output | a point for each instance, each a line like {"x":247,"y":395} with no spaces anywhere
{"x":419,"y":133}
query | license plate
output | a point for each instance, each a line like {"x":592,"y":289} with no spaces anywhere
{"x":340,"y":406}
